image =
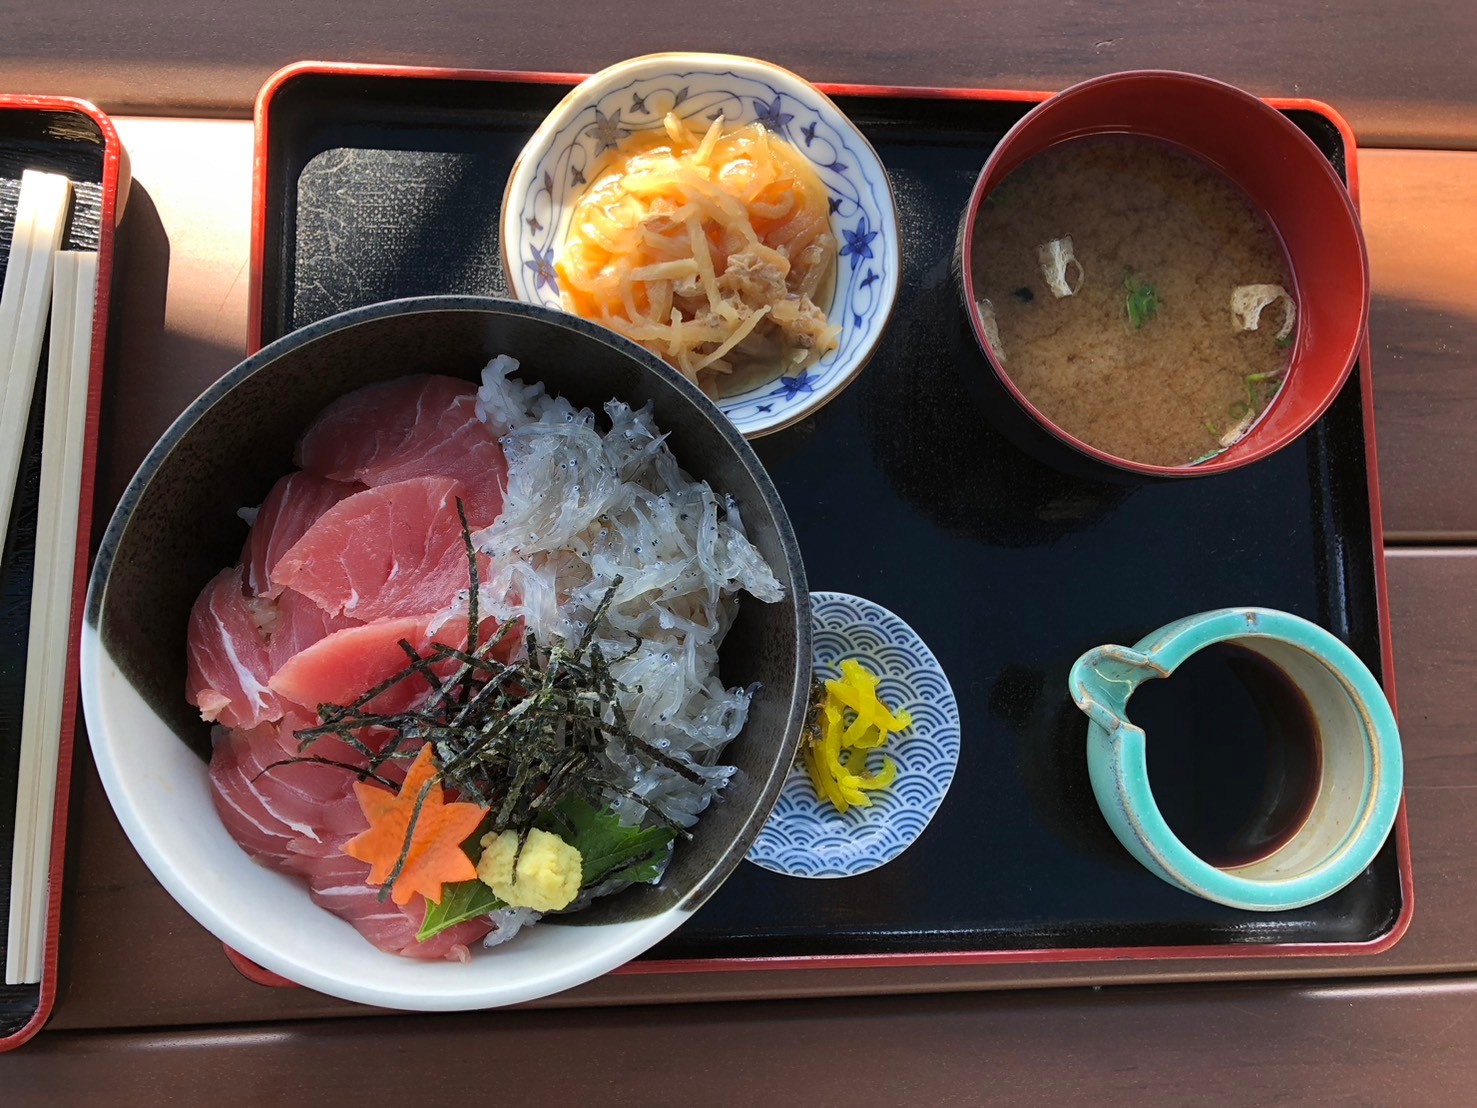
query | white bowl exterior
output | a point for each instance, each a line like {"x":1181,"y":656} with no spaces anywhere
{"x":160,"y":790}
{"x":566,"y":151}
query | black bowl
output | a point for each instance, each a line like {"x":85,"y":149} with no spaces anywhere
{"x":177,"y":525}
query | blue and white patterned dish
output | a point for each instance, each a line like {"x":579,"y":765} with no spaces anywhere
{"x":807,"y":837}
{"x":564,"y":154}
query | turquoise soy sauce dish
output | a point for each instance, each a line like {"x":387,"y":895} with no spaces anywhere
{"x":1360,"y":776}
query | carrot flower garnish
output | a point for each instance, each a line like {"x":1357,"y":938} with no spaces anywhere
{"x":414,"y":841}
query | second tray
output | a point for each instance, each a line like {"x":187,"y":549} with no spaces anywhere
{"x":374,"y":184}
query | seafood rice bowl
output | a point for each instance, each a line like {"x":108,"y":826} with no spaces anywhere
{"x":462,"y":673}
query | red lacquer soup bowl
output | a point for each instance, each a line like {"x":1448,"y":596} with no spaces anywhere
{"x":1284,"y":175}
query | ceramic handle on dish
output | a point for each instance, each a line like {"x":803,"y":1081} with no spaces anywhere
{"x":1105,"y":677}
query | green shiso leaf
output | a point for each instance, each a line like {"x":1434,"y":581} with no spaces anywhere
{"x":466,"y":900}
{"x":608,"y":848}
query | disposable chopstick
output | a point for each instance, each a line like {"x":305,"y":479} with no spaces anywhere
{"x":62,"y":446}
{"x":25,"y":299}
{"x":62,"y":443}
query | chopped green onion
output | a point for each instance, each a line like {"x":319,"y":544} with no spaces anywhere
{"x":1142,"y":301}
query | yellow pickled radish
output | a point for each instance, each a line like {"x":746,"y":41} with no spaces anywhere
{"x":849,"y":722}
{"x":882,"y":778}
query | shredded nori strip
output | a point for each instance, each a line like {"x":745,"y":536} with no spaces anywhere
{"x":473,"y":619}
{"x":514,"y":737}
{"x":415,"y":815}
{"x":361,"y":772}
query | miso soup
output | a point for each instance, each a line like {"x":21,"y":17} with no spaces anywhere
{"x":1118,"y":279}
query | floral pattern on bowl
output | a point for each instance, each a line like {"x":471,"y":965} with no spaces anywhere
{"x":804,"y":835}
{"x":567,"y":151}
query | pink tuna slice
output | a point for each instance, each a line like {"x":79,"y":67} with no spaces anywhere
{"x":277,"y":813}
{"x":299,"y":624}
{"x":340,"y":885}
{"x":226,"y":660}
{"x":297,"y":818}
{"x":259,"y":830}
{"x":293,"y":505}
{"x":340,"y":667}
{"x":395,"y":550}
{"x":420,"y":426}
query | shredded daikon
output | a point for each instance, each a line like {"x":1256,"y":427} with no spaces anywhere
{"x":665,"y":271}
{"x":704,"y":149}
{"x":738,"y":336}
{"x":689,"y":246}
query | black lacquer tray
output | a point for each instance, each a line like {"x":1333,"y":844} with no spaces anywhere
{"x":376,"y":183}
{"x":70,"y":137}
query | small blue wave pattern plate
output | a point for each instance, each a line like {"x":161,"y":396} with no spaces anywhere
{"x":567,"y":152}
{"x":807,"y":837}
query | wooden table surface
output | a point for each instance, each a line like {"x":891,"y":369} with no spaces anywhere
{"x":152,"y":1013}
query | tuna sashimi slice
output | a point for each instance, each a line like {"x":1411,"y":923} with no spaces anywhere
{"x":297,"y":818}
{"x":343,"y":666}
{"x":293,"y":505}
{"x":227,"y":665}
{"x":242,"y":808}
{"x":340,"y":884}
{"x":277,"y":812}
{"x":420,"y":426}
{"x":396,"y":550}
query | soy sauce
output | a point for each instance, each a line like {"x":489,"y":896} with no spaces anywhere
{"x":1234,"y":753}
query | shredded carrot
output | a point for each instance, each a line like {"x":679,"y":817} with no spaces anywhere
{"x":435,"y":856}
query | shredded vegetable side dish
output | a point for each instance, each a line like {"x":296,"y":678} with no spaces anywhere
{"x":714,"y":251}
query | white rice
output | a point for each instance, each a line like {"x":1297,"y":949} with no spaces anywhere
{"x":584,"y":507}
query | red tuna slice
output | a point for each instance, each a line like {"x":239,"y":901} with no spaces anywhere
{"x":421,"y":426}
{"x":396,"y":550}
{"x":346,"y":664}
{"x":227,"y":666}
{"x":293,"y":505}
{"x":340,"y":884}
{"x":341,"y":667}
{"x":299,"y":624}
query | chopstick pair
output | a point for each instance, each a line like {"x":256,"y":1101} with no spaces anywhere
{"x":40,"y":218}
{"x":40,"y":277}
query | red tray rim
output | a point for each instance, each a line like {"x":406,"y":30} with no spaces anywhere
{"x":1059,"y":955}
{"x":114,"y":186}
